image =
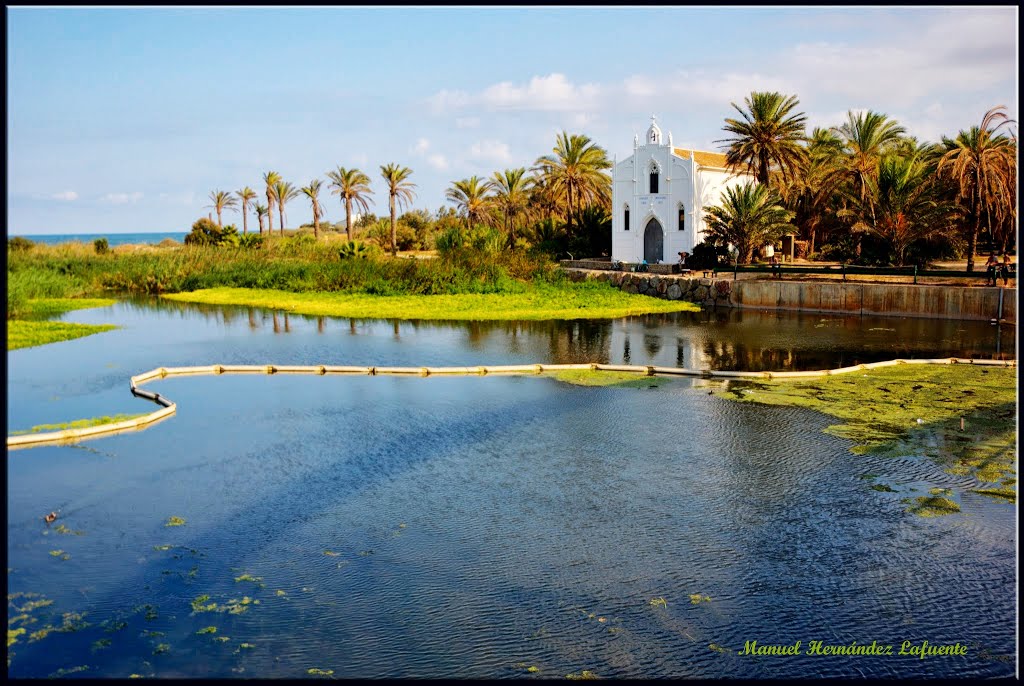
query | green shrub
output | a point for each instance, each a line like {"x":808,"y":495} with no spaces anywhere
{"x":250,"y":240}
{"x":354,"y":249}
{"x":204,"y":232}
{"x":449,"y":241}
{"x":19,"y":243}
{"x":101,"y":246}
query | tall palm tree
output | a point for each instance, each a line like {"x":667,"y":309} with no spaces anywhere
{"x":470,"y":196}
{"x":544,"y":203}
{"x":270,"y":178}
{"x":353,"y":186}
{"x":811,"y":191}
{"x":907,"y":207}
{"x":400,"y":190}
{"x":577,"y":169}
{"x":768,"y":137}
{"x":246,"y":195}
{"x":984,"y":166}
{"x":867,"y":136}
{"x":750,"y":215}
{"x":261,"y":211}
{"x":312,"y":191}
{"x":511,"y":192}
{"x":222,"y":200}
{"x":283,"y":192}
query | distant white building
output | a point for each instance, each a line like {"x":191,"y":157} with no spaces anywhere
{"x":658,"y":197}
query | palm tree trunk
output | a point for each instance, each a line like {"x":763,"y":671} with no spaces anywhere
{"x":316,"y":223}
{"x":219,"y":225}
{"x":394,"y":235}
{"x":280,"y":215}
{"x":762,"y":171}
{"x":270,"y":213}
{"x":348,"y":217}
{"x":245,"y":219}
{"x":568,"y":207}
{"x":972,"y":237}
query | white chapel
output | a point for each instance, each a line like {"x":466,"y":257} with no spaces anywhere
{"x":658,"y":196}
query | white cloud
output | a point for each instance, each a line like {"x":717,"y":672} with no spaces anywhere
{"x":553,"y":92}
{"x":421,"y":147}
{"x":467,"y":122}
{"x":490,"y":151}
{"x":437,"y":161}
{"x":121,"y":198}
{"x":65,"y":196}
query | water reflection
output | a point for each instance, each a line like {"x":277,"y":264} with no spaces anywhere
{"x":723,"y":339}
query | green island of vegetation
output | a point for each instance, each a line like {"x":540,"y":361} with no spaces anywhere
{"x":78,"y":424}
{"x":915,"y":410}
{"x":22,"y":334}
{"x":571,"y":301}
{"x":26,"y":325}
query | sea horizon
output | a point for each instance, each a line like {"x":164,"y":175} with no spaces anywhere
{"x":113,"y":238}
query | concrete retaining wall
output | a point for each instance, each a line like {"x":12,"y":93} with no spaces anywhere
{"x":899,"y":300}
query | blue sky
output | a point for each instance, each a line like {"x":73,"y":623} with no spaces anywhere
{"x":123,"y":120}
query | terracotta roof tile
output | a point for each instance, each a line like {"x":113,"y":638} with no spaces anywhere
{"x":703,"y":158}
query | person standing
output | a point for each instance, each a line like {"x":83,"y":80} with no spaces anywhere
{"x":1005,"y":270}
{"x":990,"y":269}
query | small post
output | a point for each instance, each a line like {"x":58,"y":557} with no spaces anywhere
{"x":961,"y":423}
{"x":915,"y":282}
{"x":843,"y":264}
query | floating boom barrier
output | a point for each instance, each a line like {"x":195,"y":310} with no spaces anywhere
{"x":168,"y":407}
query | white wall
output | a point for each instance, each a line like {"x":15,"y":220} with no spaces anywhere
{"x":630,"y":185}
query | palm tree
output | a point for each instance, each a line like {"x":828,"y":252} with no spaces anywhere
{"x":222,"y":200}
{"x":867,"y":136}
{"x":750,"y":215}
{"x":907,"y":207}
{"x":261,"y":211}
{"x":811,"y":191}
{"x":577,"y":169}
{"x":768,"y":136}
{"x":984,"y":167}
{"x":246,"y":195}
{"x":270,"y":178}
{"x":544,"y":203}
{"x":470,"y":196}
{"x":511,"y":193}
{"x":312,"y":191}
{"x":354,"y":188}
{"x":400,"y":190}
{"x":283,"y":191}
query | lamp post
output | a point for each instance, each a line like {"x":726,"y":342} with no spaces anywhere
{"x":735,"y":253}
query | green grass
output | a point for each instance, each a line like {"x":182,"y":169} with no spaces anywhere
{"x":879,"y":411}
{"x":28,"y":334}
{"x":571,"y":301}
{"x":25,"y":325}
{"x":44,"y":308}
{"x":78,"y":424}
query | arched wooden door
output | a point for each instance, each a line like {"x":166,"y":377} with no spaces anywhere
{"x":654,"y":246}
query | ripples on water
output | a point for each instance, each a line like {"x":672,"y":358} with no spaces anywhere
{"x":477,"y":526}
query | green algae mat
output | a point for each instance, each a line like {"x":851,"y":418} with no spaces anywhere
{"x":961,"y":416}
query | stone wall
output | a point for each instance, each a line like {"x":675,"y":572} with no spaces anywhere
{"x":710,"y":292}
{"x":896,"y":300}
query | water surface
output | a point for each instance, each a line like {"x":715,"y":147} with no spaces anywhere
{"x":476,"y":526}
